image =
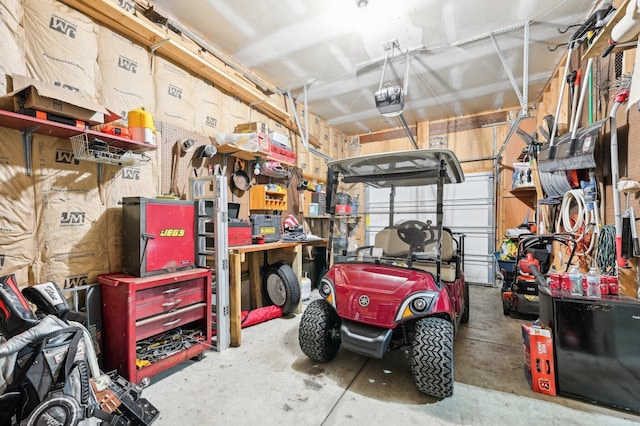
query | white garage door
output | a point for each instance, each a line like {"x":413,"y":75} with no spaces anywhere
{"x":468,"y":209}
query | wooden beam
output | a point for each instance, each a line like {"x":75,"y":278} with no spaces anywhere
{"x":172,"y":47}
{"x":466,"y":123}
{"x":387,"y":135}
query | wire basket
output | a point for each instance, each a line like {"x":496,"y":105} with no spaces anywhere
{"x":273,"y":169}
{"x":100,"y":151}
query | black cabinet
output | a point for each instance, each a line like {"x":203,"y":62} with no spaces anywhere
{"x":596,"y":347}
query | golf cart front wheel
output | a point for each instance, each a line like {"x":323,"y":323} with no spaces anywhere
{"x":319,"y":332}
{"x":432,"y":357}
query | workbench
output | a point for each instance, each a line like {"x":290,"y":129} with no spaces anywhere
{"x":254,"y":254}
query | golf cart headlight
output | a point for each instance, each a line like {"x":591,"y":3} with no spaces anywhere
{"x":417,"y":304}
{"x":327,"y":291}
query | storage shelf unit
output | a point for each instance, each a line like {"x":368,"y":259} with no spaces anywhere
{"x":28,"y":125}
{"x":135,"y":308}
{"x":261,"y":198}
{"x":212,"y":246}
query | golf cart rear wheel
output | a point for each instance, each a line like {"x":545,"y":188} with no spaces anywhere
{"x":465,"y":312}
{"x":319,"y":332}
{"x":432,"y":357}
{"x":282,"y":287}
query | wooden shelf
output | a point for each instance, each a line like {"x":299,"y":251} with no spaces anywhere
{"x":601,"y":41}
{"x":522,"y":190}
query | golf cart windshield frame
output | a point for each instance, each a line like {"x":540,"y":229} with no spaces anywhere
{"x":397,"y":169}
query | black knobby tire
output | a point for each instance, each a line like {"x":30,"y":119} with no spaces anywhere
{"x":465,"y":313}
{"x":432,"y":357}
{"x":319,"y":332}
{"x":282,"y":287}
{"x":506,"y":307}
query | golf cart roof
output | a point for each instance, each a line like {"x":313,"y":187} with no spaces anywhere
{"x":400,"y":168}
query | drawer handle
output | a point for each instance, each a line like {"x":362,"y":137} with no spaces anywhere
{"x":166,"y":305}
{"x":171,"y":290}
{"x":175,"y":321}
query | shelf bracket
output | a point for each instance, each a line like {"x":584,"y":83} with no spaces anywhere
{"x":27,"y":142}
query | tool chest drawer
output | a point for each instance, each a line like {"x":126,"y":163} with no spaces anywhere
{"x":163,"y":299}
{"x":161,"y":323}
{"x":153,"y":323}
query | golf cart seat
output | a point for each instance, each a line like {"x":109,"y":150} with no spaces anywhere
{"x":392,"y":246}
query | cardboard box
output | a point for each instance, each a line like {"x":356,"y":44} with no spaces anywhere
{"x":41,"y":96}
{"x":253,"y":127}
{"x":538,"y":358}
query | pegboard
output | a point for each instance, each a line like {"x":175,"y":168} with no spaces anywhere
{"x":185,"y":163}
{"x":628,"y":134}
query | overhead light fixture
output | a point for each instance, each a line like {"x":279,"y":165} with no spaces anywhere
{"x":362,"y":3}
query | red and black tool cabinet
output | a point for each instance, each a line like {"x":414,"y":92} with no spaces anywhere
{"x":158,"y":236}
{"x":135,"y":308}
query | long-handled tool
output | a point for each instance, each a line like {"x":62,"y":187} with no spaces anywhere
{"x":578,"y":111}
{"x":619,"y":98}
{"x":592,"y":23}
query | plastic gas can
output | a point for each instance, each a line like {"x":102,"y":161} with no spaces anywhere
{"x":141,"y":126}
{"x":305,"y":284}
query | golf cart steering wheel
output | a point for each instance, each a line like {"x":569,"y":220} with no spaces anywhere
{"x":416,"y":234}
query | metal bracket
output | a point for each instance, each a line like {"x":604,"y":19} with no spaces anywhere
{"x":522,"y":96}
{"x":27,"y":141}
{"x":304,"y":133}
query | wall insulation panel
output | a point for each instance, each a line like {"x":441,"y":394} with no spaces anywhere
{"x":208,"y":111}
{"x":62,"y":46}
{"x":174,"y":89}
{"x":126,"y":80}
{"x":11,"y":44}
{"x":17,"y":210}
{"x":72,"y":222}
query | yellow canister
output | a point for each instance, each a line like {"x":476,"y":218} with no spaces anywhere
{"x":141,"y":125}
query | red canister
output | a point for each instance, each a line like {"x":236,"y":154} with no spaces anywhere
{"x":604,"y":284}
{"x":555,"y":281}
{"x":565,"y":282}
{"x":614,"y":285}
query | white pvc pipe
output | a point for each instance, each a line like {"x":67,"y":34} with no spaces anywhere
{"x":617,"y":214}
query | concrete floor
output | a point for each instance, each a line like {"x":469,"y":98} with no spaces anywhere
{"x":268,"y":381}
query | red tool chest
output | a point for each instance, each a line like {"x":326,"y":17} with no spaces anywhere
{"x":135,"y":309}
{"x":158,"y":236}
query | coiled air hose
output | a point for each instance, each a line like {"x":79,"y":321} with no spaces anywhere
{"x":584,"y":218}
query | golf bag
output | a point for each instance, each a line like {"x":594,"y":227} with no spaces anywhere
{"x":49,"y":372}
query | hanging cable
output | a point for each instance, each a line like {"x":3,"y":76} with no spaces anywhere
{"x":606,"y":253}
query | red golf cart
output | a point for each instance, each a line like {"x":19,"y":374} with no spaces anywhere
{"x":407,"y":290}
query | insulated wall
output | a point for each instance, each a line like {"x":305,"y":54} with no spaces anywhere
{"x":12,"y":59}
{"x":126,"y":80}
{"x":61,"y":46}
